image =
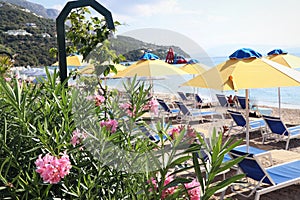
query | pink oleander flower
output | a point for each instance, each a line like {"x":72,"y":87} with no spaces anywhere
{"x":153,"y":184}
{"x":193,"y":190}
{"x":53,"y":169}
{"x":166,"y":192}
{"x":7,"y":79}
{"x":152,"y":106}
{"x":174,"y":132}
{"x":110,"y":124}
{"x":128,"y":109}
{"x":77,"y":137}
{"x":99,"y":99}
{"x":190,"y":134}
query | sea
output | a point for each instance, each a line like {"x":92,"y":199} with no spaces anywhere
{"x":289,"y":96}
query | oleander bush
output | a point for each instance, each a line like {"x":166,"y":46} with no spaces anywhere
{"x":69,"y":143}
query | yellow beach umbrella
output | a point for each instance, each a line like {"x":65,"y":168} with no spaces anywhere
{"x":282,"y":57}
{"x":150,"y":68}
{"x":245,"y":70}
{"x":90,"y":69}
{"x":235,"y":74}
{"x":75,"y":60}
{"x":195,"y":68}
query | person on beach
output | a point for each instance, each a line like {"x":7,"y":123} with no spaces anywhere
{"x":232,"y":101}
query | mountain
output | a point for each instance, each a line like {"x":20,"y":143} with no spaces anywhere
{"x":30,"y":37}
{"x":35,"y":8}
{"x":133,"y":49}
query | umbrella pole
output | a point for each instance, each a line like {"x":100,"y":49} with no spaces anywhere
{"x":279,"y":102}
{"x":247,"y":119}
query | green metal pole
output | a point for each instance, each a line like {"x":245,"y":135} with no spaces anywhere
{"x":60,"y":29}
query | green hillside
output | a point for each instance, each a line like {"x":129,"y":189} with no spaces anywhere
{"x":33,"y":49}
{"x":133,"y":49}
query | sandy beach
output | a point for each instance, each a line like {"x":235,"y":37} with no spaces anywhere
{"x":279,"y":154}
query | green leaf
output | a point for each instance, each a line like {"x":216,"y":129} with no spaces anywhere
{"x":179,"y":161}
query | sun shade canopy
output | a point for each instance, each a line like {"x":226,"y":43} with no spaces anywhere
{"x":245,"y":53}
{"x":277,"y":52}
{"x":148,"y":56}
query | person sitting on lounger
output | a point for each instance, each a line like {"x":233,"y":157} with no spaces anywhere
{"x":232,"y":101}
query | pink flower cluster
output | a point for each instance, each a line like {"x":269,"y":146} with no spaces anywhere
{"x":174,"y":132}
{"x":190,"y":134}
{"x":152,"y":106}
{"x":110,"y":124}
{"x":128,"y":109}
{"x":193,"y":190}
{"x":53,"y":169}
{"x":77,"y":137}
{"x":166,"y":192}
{"x":153,"y":184}
{"x":99,"y":99}
{"x":153,"y":103}
{"x":7,"y":79}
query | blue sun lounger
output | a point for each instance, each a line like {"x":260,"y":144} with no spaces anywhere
{"x":276,"y":126}
{"x":260,"y":110}
{"x":154,"y":137}
{"x":190,"y":114}
{"x":222,"y":100}
{"x":239,"y":123}
{"x":201,"y":102}
{"x":169,"y":111}
{"x":273,"y":177}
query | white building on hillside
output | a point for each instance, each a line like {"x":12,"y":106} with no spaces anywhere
{"x":17,"y":32}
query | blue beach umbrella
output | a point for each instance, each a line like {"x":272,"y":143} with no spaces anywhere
{"x":245,"y":53}
{"x":277,"y":52}
{"x":148,"y":56}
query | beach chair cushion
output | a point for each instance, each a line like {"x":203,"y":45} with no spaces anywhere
{"x":284,"y":172}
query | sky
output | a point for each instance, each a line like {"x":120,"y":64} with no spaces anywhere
{"x":218,"y":27}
